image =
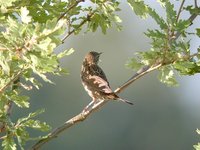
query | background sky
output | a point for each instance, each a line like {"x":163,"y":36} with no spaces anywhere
{"x":162,"y":117}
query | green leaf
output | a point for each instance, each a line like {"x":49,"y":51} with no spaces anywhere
{"x":22,"y":136}
{"x":7,"y":3}
{"x":65,"y":53}
{"x":4,"y":64}
{"x":134,"y":64}
{"x":20,"y":101}
{"x":186,"y":67}
{"x":159,"y":20}
{"x":171,"y":13}
{"x":198,"y":31}
{"x":44,"y":77}
{"x":182,"y":25}
{"x":9,"y":144}
{"x":24,"y":15}
{"x":155,"y":34}
{"x":31,"y":115}
{"x":36,"y":124}
{"x":139,"y":8}
{"x":193,"y":10}
{"x":166,"y":75}
{"x":197,"y":147}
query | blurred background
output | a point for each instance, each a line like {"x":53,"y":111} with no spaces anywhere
{"x":162,"y":118}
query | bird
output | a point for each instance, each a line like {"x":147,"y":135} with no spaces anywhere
{"x":95,"y":81}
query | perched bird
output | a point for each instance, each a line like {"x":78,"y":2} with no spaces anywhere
{"x":94,"y":80}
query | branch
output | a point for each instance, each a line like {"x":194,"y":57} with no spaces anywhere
{"x":15,"y":77}
{"x":191,"y":19}
{"x":78,"y":118}
{"x":80,"y":25}
{"x":8,"y":107}
{"x":180,"y":9}
{"x":195,"y":3}
{"x":71,"y":7}
{"x":144,"y":70}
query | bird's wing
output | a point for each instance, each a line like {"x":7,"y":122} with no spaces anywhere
{"x":100,"y":85}
{"x":100,"y":82}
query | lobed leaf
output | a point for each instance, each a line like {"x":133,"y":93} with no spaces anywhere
{"x":139,"y":8}
{"x":166,"y":75}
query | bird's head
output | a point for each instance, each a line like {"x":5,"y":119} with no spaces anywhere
{"x":92,"y":57}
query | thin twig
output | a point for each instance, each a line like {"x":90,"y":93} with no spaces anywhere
{"x":12,"y":80}
{"x":139,"y":74}
{"x":195,"y":4}
{"x":80,"y":25}
{"x":191,"y":19}
{"x":3,"y":137}
{"x":180,"y":9}
{"x":71,"y":7}
{"x":3,"y":49}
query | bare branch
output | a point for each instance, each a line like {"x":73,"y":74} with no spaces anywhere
{"x":195,"y":3}
{"x":139,"y":74}
{"x":78,"y":118}
{"x":180,"y":9}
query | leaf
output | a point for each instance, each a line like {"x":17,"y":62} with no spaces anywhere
{"x":9,"y":144}
{"x":155,"y":34}
{"x":198,"y":31}
{"x":20,"y":101}
{"x":117,"y":19}
{"x":24,"y":15}
{"x":139,"y":8}
{"x":186,"y":67}
{"x":159,"y":20}
{"x":193,"y":10}
{"x":31,"y":115}
{"x":197,"y":147}
{"x":198,"y":131}
{"x":7,"y":3}
{"x":65,"y":53}
{"x":4,"y":64}
{"x":22,"y":136}
{"x":166,"y":75}
{"x":182,"y":25}
{"x":36,"y":124}
{"x":171,"y":13}
{"x":44,"y":77}
{"x":134,"y":64}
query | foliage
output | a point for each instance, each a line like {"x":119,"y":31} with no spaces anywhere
{"x":30,"y":32}
{"x":197,"y":147}
{"x":174,"y":55}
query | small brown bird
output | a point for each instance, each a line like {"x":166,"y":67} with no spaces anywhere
{"x":94,"y":80}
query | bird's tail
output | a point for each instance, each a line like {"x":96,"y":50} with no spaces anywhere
{"x":125,"y":101}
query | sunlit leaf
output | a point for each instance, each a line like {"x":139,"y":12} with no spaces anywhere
{"x":24,"y":15}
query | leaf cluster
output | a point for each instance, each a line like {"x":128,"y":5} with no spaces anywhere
{"x":170,"y":46}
